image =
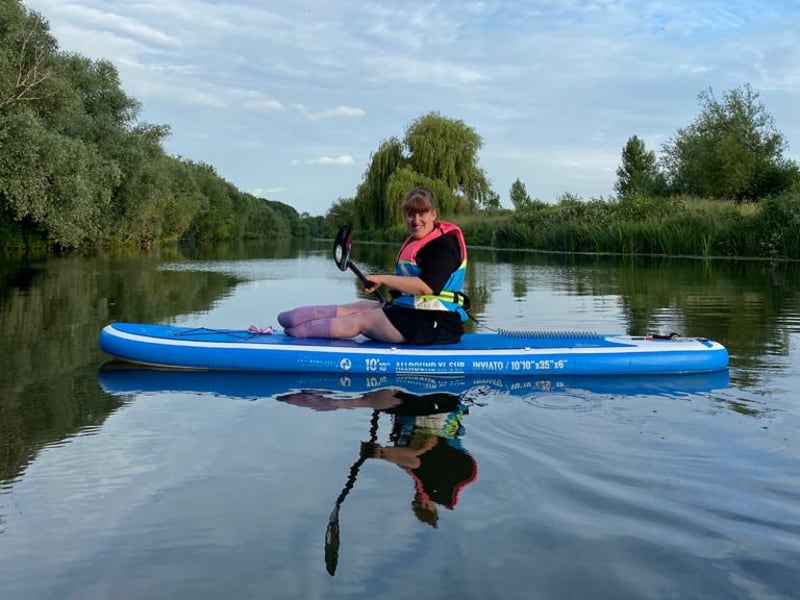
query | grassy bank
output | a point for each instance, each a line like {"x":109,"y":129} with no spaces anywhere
{"x":673,"y":227}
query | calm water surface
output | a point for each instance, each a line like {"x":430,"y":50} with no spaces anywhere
{"x":132,"y":484}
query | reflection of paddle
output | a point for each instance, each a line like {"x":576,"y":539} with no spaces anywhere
{"x":341,"y":256}
{"x":332,"y":532}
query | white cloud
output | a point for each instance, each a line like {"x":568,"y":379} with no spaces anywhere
{"x":418,"y":70}
{"x":105,"y":20}
{"x":347,"y":112}
{"x":258,"y":101}
{"x":166,"y":82}
{"x":343,"y":160}
{"x":264,"y":104}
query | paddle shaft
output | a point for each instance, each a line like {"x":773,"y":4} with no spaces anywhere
{"x":332,"y":531}
{"x":341,"y":256}
{"x":358,"y":273}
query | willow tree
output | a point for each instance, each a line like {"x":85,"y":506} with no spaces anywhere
{"x":437,"y":152}
{"x":405,"y":179}
{"x":447,"y":150}
{"x":371,"y":208}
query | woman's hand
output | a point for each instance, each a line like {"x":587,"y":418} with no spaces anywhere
{"x":373,"y":282}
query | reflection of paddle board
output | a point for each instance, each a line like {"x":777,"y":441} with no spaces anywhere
{"x":517,"y":353}
{"x":133,"y":380}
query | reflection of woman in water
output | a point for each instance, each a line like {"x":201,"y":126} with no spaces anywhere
{"x":425,"y":441}
{"x":426,"y":444}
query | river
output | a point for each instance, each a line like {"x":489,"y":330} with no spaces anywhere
{"x":123,"y":484}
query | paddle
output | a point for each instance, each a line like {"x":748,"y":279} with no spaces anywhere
{"x":341,"y":256}
{"x":332,"y":531}
{"x":341,"y":252}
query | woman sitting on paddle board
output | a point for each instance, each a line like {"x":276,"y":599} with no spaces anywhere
{"x":427,"y":305}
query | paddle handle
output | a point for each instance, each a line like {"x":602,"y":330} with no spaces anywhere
{"x":358,"y":273}
{"x":364,"y":280}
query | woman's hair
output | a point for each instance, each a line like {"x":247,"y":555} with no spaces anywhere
{"x":418,"y":200}
{"x":426,"y":514}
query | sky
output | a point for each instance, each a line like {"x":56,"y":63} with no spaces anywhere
{"x":288,"y":99}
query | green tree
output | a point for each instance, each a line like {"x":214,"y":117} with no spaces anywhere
{"x":371,"y":207}
{"x":447,"y":150}
{"x":519,"y":196}
{"x":492,"y":201}
{"x":341,"y":212}
{"x":146,"y":189}
{"x":52,"y":183}
{"x":638,"y":173}
{"x":255,"y":218}
{"x":78,"y":169}
{"x":732,"y":150}
{"x":293,"y":223}
{"x":73,"y":165}
{"x":179,"y":199}
{"x":215,"y":218}
{"x":27,"y":50}
{"x":437,"y":152}
{"x":405,"y":179}
{"x":105,"y":112}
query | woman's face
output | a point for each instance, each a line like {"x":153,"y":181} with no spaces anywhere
{"x":420,"y":224}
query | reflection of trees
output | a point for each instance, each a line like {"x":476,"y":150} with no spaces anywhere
{"x":16,"y":276}
{"x":742,"y":304}
{"x":519,"y":287}
{"x":50,"y":315}
{"x":244,"y":249}
{"x":734,"y":302}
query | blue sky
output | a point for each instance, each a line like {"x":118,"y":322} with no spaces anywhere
{"x":288,"y":99}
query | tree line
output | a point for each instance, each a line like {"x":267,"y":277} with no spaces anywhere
{"x":78,"y":170}
{"x":722,"y":187}
{"x":731,"y":151}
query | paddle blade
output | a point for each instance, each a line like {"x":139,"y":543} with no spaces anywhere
{"x":341,"y":247}
{"x":341,"y":256}
{"x":332,"y":542}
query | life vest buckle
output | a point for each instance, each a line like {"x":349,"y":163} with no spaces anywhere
{"x":462,"y":300}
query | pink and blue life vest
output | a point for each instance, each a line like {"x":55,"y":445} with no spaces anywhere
{"x":451,"y":297}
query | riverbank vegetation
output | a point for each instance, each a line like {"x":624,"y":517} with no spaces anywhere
{"x":79,"y":172}
{"x":722,"y":187}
